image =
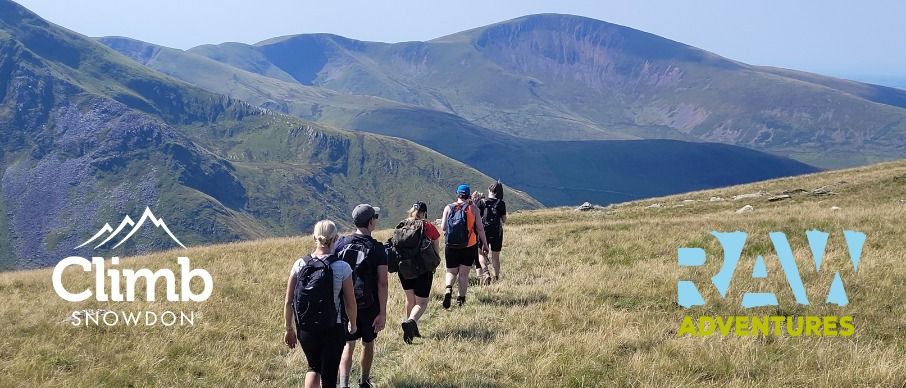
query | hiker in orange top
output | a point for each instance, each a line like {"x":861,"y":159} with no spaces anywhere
{"x":464,"y":234}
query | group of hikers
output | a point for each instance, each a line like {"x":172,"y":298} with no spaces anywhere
{"x":337,"y":295}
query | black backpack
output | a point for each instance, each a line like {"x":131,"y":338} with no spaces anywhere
{"x":354,"y":253}
{"x":413,"y":251}
{"x":490,"y":216}
{"x":313,"y":300}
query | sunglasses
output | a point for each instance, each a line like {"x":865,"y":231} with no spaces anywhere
{"x":376,"y":216}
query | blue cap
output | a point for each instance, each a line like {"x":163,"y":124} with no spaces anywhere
{"x":464,"y":189}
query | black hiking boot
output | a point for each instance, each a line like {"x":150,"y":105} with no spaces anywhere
{"x":366,"y":383}
{"x":407,"y":331}
{"x":415,"y":332}
{"x":460,"y":300}
{"x":448,"y":296}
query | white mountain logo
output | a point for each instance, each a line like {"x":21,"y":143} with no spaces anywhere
{"x":127,"y":222}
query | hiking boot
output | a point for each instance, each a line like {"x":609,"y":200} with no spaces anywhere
{"x":407,"y":331}
{"x":460,"y":300}
{"x":414,"y":326}
{"x":447,"y":297}
{"x":366,"y":383}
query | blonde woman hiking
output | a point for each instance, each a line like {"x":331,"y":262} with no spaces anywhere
{"x":312,"y":310}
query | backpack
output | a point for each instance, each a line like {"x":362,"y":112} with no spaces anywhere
{"x":414,"y":252}
{"x":457,"y":234}
{"x":354,"y":253}
{"x":490,"y":216}
{"x":313,"y":298}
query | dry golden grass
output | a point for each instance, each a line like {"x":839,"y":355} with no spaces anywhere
{"x":587,"y":299}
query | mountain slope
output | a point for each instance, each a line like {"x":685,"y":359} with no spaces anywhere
{"x":88,"y":136}
{"x":571,"y":78}
{"x":554,"y":172}
{"x":586,"y":299}
{"x":571,"y":172}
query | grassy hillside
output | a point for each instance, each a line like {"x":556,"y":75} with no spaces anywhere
{"x":88,"y":136}
{"x":588,"y":299}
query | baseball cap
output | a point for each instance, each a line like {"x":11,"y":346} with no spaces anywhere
{"x":364,"y":213}
{"x":420,"y":206}
{"x":464,"y":189}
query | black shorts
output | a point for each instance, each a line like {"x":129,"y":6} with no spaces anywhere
{"x":421,"y":285}
{"x":323,"y":349}
{"x":495,"y":241}
{"x":456,"y":257}
{"x":364,"y":325}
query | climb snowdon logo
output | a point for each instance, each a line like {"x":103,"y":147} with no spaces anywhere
{"x":127,"y":222}
{"x":732,"y":243}
{"x":108,"y":272}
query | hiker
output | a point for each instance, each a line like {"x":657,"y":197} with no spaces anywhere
{"x":316,"y":282}
{"x":480,"y":266}
{"x":415,"y":244}
{"x":368,"y":260}
{"x":493,"y":216}
{"x":464,"y":236}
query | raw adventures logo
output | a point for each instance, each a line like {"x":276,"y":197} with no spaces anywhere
{"x":688,"y":294}
{"x":129,"y":279}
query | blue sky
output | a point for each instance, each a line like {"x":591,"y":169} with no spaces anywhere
{"x":832,"y":37}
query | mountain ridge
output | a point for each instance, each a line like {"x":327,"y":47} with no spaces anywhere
{"x":525,"y":164}
{"x":560,"y":77}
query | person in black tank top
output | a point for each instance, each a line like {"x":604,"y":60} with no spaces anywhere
{"x":493,"y":216}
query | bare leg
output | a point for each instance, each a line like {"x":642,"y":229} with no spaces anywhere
{"x":495,"y":262}
{"x":312,"y":380}
{"x":484,"y":272}
{"x":463,"y":280}
{"x":452,"y":274}
{"x":421,"y":305}
{"x":367,"y":358}
{"x":410,"y":301}
{"x":346,"y":362}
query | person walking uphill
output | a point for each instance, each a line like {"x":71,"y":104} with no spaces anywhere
{"x":464,"y":234}
{"x":313,"y":294}
{"x":368,"y":259}
{"x":493,"y":216}
{"x":415,"y":258}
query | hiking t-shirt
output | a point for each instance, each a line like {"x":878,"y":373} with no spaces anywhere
{"x":341,"y":271}
{"x":431,"y":231}
{"x":376,"y":257}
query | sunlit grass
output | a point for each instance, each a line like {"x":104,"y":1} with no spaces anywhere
{"x":587,"y":299}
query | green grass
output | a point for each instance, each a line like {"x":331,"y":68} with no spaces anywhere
{"x":587,"y":299}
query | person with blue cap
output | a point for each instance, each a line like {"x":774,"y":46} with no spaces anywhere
{"x":464,"y":236}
